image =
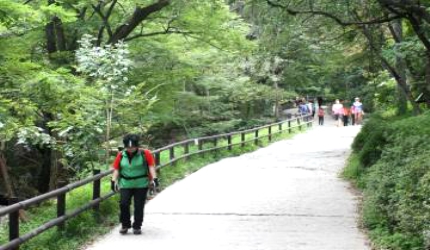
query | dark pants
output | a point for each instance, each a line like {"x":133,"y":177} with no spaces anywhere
{"x":321,"y":120}
{"x":345,"y":120}
{"x":139,"y":195}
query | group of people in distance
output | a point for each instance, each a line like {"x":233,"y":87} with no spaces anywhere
{"x":306,"y":107}
{"x":309,"y":107}
{"x":342,"y":112}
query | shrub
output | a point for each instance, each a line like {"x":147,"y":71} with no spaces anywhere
{"x":396,"y":180}
{"x":371,"y":140}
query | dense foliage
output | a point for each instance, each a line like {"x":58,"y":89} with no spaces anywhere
{"x":392,"y":167}
{"x":76,"y":75}
{"x":74,"y":79}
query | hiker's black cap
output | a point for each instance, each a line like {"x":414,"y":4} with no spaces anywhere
{"x":131,"y":140}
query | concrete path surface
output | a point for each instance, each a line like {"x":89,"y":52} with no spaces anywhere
{"x":285,"y":196}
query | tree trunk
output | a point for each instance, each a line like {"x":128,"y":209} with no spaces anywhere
{"x":44,"y":176}
{"x":108,"y":128}
{"x":276,"y":110}
{"x":7,"y":183}
{"x":397,"y":32}
{"x":418,"y":16}
{"x":51,"y":45}
{"x":51,"y":168}
{"x":401,"y":82}
{"x":57,"y":172}
{"x":426,"y":90}
{"x":55,"y":39}
{"x":5,"y":175}
{"x":109,"y":114}
{"x":417,"y":25}
{"x":59,"y":34}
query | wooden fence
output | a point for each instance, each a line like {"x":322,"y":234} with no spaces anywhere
{"x":204,"y":144}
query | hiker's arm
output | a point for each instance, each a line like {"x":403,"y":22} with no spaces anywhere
{"x":151,"y":164}
{"x":153,"y":172}
{"x":115,"y":175}
{"x":115,"y":167}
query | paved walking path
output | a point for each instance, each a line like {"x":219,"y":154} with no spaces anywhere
{"x":285,"y":196}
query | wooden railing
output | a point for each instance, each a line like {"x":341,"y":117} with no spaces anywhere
{"x":14,"y":205}
{"x":60,"y":194}
{"x":213,"y":141}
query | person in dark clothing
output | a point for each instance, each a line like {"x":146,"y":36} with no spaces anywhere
{"x":320,"y":116}
{"x":134,"y":172}
{"x":346,"y":115}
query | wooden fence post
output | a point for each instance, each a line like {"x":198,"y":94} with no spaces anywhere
{"x":157,"y":159}
{"x":61,"y":205}
{"x":172,"y":153}
{"x":256,"y":137}
{"x":280,"y":127}
{"x":289,"y":127}
{"x":96,"y":190}
{"x":242,"y":139}
{"x":13,"y":221}
{"x":200,"y":145}
{"x":270,"y":133}
{"x":186,"y":149}
{"x":229,"y":142}
{"x":298,"y":121}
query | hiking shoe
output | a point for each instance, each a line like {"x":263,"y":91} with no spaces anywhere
{"x":123,"y":230}
{"x":137,"y":231}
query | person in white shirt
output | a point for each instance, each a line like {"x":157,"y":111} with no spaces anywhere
{"x":337,"y":110}
{"x":357,"y":111}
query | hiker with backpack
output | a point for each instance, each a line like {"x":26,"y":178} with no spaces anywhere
{"x":134,"y":171}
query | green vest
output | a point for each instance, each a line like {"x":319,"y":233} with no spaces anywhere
{"x":137,"y":167}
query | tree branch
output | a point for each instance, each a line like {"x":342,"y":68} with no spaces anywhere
{"x":158,"y":33}
{"x":394,"y":34}
{"x":417,"y":27}
{"x":415,"y":21}
{"x":105,"y":18}
{"x":408,"y":6}
{"x":108,"y":14}
{"x":97,"y":9}
{"x":140,"y":14}
{"x":332,"y":16}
